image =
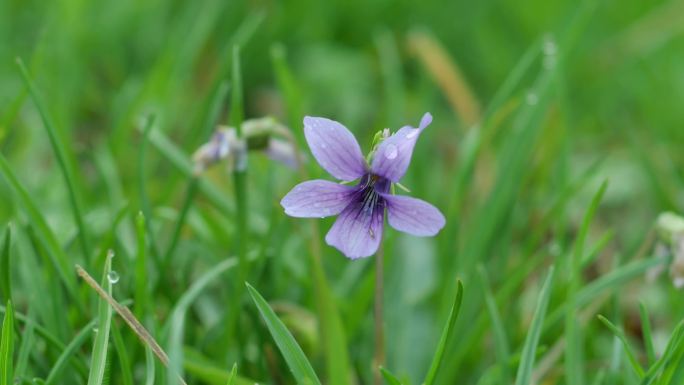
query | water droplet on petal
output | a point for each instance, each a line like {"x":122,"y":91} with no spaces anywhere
{"x":113,"y":277}
{"x":412,"y":134}
{"x":391,"y":151}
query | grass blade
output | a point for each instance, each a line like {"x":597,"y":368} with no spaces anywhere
{"x":7,"y":347}
{"x":389,"y":377}
{"x":293,"y":354}
{"x":646,"y":332}
{"x":574,"y":371}
{"x":47,"y":236}
{"x":63,"y":160}
{"x":98,"y":361}
{"x":529,"y":350}
{"x":124,"y":360}
{"x":501,"y":347}
{"x":69,"y":352}
{"x":628,"y":350}
{"x":233,"y":374}
{"x":448,"y":328}
{"x":177,"y":320}
{"x":5,"y":283}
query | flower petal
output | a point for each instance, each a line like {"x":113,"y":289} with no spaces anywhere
{"x":335,"y":148}
{"x":356,"y":233}
{"x":393,"y":155}
{"x":317,"y":199}
{"x":413,"y":216}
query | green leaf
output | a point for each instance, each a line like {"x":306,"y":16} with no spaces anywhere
{"x":293,"y":354}
{"x":389,"y":377}
{"x":98,"y":361}
{"x":529,"y":349}
{"x":7,"y":347}
{"x":628,"y":350}
{"x":446,"y":332}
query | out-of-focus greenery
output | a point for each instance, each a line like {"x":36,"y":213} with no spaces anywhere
{"x":535,"y":105}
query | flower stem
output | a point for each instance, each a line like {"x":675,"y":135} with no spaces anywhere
{"x":379,"y":358}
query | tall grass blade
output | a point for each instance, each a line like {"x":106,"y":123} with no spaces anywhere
{"x":529,"y":350}
{"x":176,"y":323}
{"x":574,"y":371}
{"x":7,"y":347}
{"x":63,"y":160}
{"x":98,"y":360}
{"x":47,"y":236}
{"x":293,"y":354}
{"x":446,"y":333}
{"x":5,"y":275}
{"x":646,"y":332}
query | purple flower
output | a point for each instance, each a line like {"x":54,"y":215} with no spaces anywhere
{"x":361,"y":208}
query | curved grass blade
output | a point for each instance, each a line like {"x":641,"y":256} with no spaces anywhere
{"x":177,"y":320}
{"x":47,"y":236}
{"x":61,"y":152}
{"x":293,"y":354}
{"x":69,"y":352}
{"x":628,"y":350}
{"x":98,"y":361}
{"x":441,"y":346}
{"x":7,"y":347}
{"x":532,"y":340}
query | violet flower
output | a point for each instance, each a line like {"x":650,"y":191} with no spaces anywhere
{"x":361,"y":208}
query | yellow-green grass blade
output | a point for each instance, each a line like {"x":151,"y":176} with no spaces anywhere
{"x":7,"y":347}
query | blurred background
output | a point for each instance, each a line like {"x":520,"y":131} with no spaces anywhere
{"x":535,"y":104}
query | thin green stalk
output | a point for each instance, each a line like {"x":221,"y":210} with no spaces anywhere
{"x":240,"y":169}
{"x":379,"y":357}
{"x":62,"y":159}
{"x":240,"y":181}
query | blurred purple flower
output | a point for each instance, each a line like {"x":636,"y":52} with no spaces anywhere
{"x":361,"y":208}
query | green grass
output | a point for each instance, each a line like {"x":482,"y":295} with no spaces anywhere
{"x":556,"y":141}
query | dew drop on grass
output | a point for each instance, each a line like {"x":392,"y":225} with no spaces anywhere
{"x":95,"y":330}
{"x":113,"y":277}
{"x":391,"y":151}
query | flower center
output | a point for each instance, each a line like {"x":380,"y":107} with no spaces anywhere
{"x":371,"y":188}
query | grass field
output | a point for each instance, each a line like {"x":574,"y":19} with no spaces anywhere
{"x":556,"y":144}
